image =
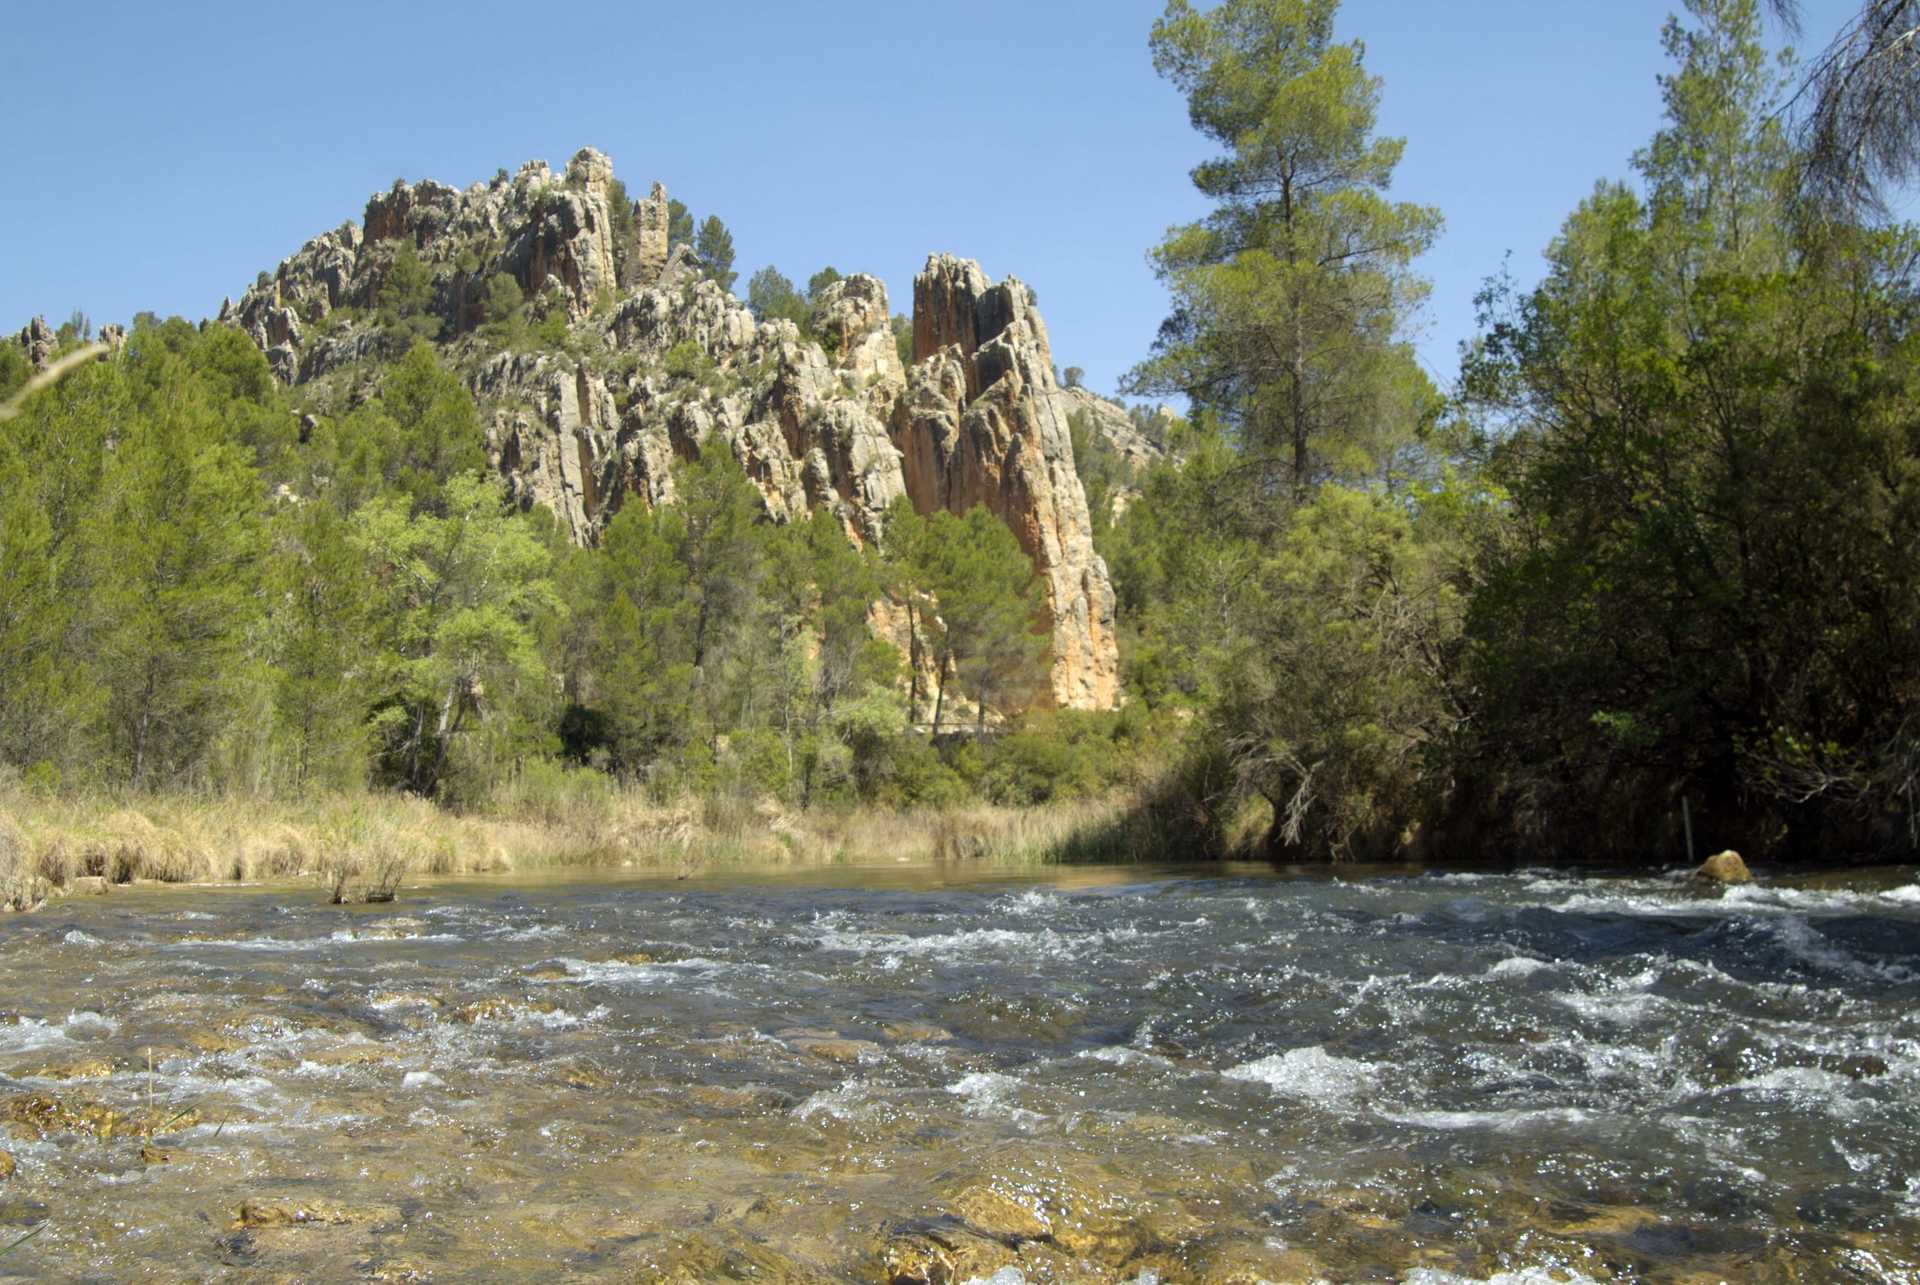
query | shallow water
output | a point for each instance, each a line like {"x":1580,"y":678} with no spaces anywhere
{"x":1107,"y":1074}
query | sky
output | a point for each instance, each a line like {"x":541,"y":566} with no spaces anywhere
{"x":164,"y":154}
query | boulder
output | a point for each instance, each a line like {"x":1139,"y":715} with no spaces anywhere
{"x":1723,"y":868}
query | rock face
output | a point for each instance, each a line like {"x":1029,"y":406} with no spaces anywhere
{"x":653,"y":372}
{"x":37,"y":342}
{"x":984,"y":423}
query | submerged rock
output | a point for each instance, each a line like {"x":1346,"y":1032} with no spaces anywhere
{"x":1723,"y":868}
{"x":7,"y":1165}
{"x":97,"y":1068}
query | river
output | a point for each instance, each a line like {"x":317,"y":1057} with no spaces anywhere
{"x":1100,"y":1074}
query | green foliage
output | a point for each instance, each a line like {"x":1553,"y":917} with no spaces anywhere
{"x":624,"y":232}
{"x":129,"y":522}
{"x":320,"y":617}
{"x":1291,"y":298}
{"x":687,"y":360}
{"x":14,"y":368}
{"x":463,"y":596}
{"x":418,"y":434}
{"x":903,"y":338}
{"x":714,"y":244}
{"x":986,"y":630}
{"x":772,"y":296}
{"x":503,"y":309}
{"x":1103,"y":471}
{"x":1707,"y":584}
{"x":404,"y":302}
{"x":679,"y":224}
{"x":820,"y":280}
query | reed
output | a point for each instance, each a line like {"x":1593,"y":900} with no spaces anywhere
{"x":365,"y":846}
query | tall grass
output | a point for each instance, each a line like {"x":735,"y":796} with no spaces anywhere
{"x":365,"y":846}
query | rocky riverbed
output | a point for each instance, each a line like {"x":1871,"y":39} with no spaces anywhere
{"x":913,"y":1076}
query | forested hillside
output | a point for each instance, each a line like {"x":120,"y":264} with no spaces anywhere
{"x":503,"y":487}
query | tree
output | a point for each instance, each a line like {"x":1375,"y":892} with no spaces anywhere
{"x":503,"y":310}
{"x":772,"y":296}
{"x":1290,"y":299}
{"x":714,"y":244}
{"x":320,"y":623}
{"x":464,"y":594}
{"x":1337,"y":681}
{"x":1861,"y":129}
{"x":1706,"y":588}
{"x":1075,"y":377}
{"x":419,"y":433}
{"x":175,"y":540}
{"x":985,"y":635}
{"x":820,"y":280}
{"x":404,"y":302}
{"x":679,"y":224}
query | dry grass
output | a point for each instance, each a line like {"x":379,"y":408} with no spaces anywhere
{"x":363,"y":847}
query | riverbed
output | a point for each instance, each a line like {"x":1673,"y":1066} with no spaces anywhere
{"x":927,"y":1074}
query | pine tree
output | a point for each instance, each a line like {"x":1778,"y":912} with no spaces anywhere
{"x":1290,"y":301}
{"x":714,"y":244}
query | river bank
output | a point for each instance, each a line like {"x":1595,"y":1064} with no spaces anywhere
{"x":361,"y":847}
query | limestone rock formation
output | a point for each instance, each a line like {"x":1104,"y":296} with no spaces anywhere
{"x":984,"y":423}
{"x":37,"y":342}
{"x":654,"y":371}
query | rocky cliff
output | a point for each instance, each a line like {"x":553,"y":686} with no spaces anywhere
{"x":658,"y":361}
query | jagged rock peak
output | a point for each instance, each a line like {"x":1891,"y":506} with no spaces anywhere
{"x":659,"y":362}
{"x":983,"y":422}
{"x":37,"y":342}
{"x":554,"y":235}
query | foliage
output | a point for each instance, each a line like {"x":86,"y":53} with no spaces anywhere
{"x":679,"y":224}
{"x":1707,"y":586}
{"x":404,"y":302}
{"x":1289,"y":300}
{"x":714,"y":244}
{"x":985,"y":631}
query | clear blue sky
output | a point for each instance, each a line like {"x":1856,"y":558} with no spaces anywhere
{"x":162,"y":154}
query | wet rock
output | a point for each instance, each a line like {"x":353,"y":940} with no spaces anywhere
{"x":215,"y":1041}
{"x":97,"y":1068}
{"x":916,"y":1033}
{"x":1862,"y":1066}
{"x":499,"y":1009}
{"x":89,"y":886}
{"x":548,"y":973}
{"x":7,"y":1165}
{"x":585,"y":1077}
{"x":154,"y":1156}
{"x":1717,"y":1198}
{"x":843,"y":1052}
{"x":916,"y":1260}
{"x":237,"y":1249}
{"x":1844,"y":1207}
{"x":269,"y":1214}
{"x":42,"y":1115}
{"x":352,"y":1054}
{"x":738,"y":1101}
{"x":1723,"y":868}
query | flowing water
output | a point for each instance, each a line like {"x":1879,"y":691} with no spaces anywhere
{"x":1107,"y":1074}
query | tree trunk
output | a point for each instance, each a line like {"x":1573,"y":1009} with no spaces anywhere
{"x":939,"y":699}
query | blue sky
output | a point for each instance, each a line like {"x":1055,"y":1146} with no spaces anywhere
{"x":161,"y":155}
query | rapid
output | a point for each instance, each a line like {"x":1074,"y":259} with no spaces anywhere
{"x":918,"y":1075}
